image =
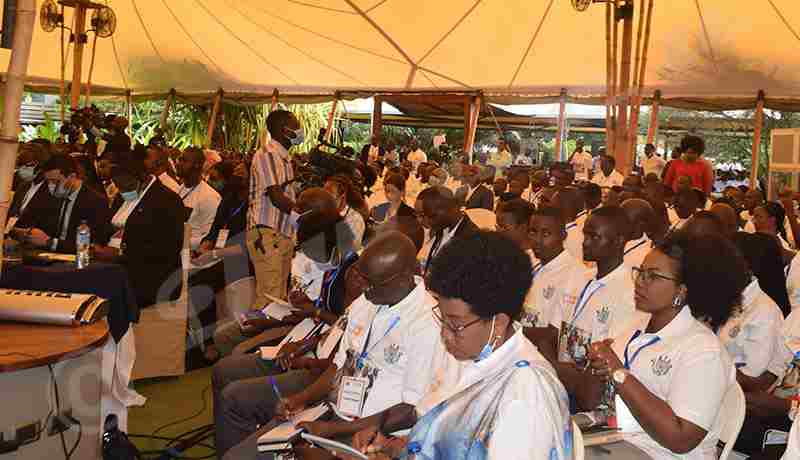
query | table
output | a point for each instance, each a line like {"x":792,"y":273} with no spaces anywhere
{"x":28,"y":352}
{"x":109,"y":281}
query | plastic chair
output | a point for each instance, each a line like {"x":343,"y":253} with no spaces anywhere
{"x":578,"y":449}
{"x":161,"y":330}
{"x":236,"y":298}
{"x":731,"y":418}
{"x":483,"y":218}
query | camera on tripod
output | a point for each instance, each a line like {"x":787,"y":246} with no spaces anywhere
{"x":328,"y":160}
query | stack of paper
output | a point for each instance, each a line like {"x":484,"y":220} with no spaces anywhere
{"x":280,"y":437}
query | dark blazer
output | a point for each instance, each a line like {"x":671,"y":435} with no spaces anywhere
{"x":91,"y":207}
{"x":364,"y":157}
{"x":465,"y":230}
{"x":379,"y":212}
{"x":152,"y":244}
{"x":481,"y":197}
{"x":41,"y":212}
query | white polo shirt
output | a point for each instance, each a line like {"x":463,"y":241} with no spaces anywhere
{"x":752,"y":336}
{"x":688,"y":369}
{"x":612,"y":180}
{"x":574,"y":242}
{"x":203,"y":200}
{"x":547,"y":289}
{"x":591,"y":310}
{"x":403,"y":340}
{"x":793,"y":282}
{"x":637,"y":250}
{"x":170,"y":183}
{"x":582,"y":164}
{"x":793,"y":447}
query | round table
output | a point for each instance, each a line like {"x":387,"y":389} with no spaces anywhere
{"x":25,"y":346}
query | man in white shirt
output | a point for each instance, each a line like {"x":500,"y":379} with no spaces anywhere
{"x":416,"y":156}
{"x":608,"y":177}
{"x":156,"y":163}
{"x":652,"y":164}
{"x":197,"y":195}
{"x":570,"y":202}
{"x":501,"y":159}
{"x":581,"y":162}
{"x":390,"y":341}
{"x":641,"y":216}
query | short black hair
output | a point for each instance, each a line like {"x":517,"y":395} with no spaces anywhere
{"x":649,"y":148}
{"x":616,"y":215}
{"x":519,"y":209}
{"x":774,"y":210}
{"x":551,"y":213}
{"x":611,"y":160}
{"x":277,"y":120}
{"x":487,"y":271}
{"x":764,"y":256}
{"x":63,"y":163}
{"x":713,"y":271}
{"x":696,"y":143}
{"x":592,"y":190}
{"x":521,"y":174}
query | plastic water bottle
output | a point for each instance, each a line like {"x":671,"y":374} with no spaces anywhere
{"x":83,"y":241}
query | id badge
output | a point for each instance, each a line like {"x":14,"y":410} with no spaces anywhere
{"x":352,"y":394}
{"x":11,"y":223}
{"x":116,"y":240}
{"x":222,"y":238}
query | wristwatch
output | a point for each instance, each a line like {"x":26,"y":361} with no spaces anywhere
{"x":619,"y":376}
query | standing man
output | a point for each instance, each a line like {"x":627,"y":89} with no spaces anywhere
{"x":416,"y":156}
{"x":271,"y":222}
{"x":652,"y":164}
{"x":608,"y":176}
{"x":581,"y":162}
{"x":501,"y":159}
{"x":197,"y":195}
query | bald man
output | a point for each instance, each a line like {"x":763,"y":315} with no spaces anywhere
{"x":407,"y":225}
{"x":570,"y":201}
{"x":641,"y":216}
{"x":727,"y":217}
{"x":387,"y":350}
{"x":438,"y":210}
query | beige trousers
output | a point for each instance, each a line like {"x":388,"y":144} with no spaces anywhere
{"x":271,"y":254}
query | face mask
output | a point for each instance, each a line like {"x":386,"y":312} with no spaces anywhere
{"x":26,"y":173}
{"x":489,"y":347}
{"x":129,"y":196}
{"x":299,"y":137}
{"x":217,"y":185}
{"x":294,"y":218}
{"x":61,"y":191}
{"x":51,"y":187}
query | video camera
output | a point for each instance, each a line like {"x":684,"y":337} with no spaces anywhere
{"x":320,"y":164}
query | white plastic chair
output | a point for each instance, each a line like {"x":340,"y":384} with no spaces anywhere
{"x":236,"y":298}
{"x":577,"y":442}
{"x":483,"y":218}
{"x":731,"y":418}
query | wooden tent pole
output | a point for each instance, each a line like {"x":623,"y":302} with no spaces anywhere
{"x":129,"y":107}
{"x":615,"y":69}
{"x":376,"y":122}
{"x":87,"y":101}
{"x":494,"y":118}
{"x":758,"y":121}
{"x":167,"y":107}
{"x":332,"y":117}
{"x":472,"y":106}
{"x":609,"y":83}
{"x":652,"y":130}
{"x":12,"y":99}
{"x":562,"y":111}
{"x":212,"y":121}
{"x":622,"y":142}
{"x":274,"y":105}
{"x":77,"y":63}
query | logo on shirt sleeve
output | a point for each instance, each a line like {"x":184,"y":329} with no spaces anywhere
{"x":661,"y":365}
{"x":603,"y":314}
{"x":392,"y":353}
{"x":548,"y":292}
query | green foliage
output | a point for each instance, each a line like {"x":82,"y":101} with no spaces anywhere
{"x":48,"y":130}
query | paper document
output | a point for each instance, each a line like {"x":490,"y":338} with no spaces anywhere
{"x":10,"y":224}
{"x":300,"y":332}
{"x":329,"y":343}
{"x":334,"y":447}
{"x":52,"y":256}
{"x":287,"y":431}
{"x":269,"y":353}
{"x":277,"y":310}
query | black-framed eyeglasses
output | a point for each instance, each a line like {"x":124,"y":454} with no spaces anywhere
{"x":649,"y":275}
{"x":371,"y":285}
{"x":456,"y":330}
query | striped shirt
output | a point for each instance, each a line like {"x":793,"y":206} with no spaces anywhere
{"x":271,"y":166}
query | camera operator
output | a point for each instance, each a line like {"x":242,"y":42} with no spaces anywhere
{"x":271,"y":221}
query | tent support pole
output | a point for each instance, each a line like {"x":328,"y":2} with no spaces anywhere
{"x":609,"y":83}
{"x":621,"y":150}
{"x":167,"y":107}
{"x":376,"y":122}
{"x":652,"y":130}
{"x":77,"y":63}
{"x":12,"y":99}
{"x":331,"y":118}
{"x":129,"y":106}
{"x":758,"y":120}
{"x":562,"y":113}
{"x":274,"y":105}
{"x":212,"y":121}
{"x":472,"y":106}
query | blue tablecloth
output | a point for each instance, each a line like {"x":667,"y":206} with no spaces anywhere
{"x":109,"y":281}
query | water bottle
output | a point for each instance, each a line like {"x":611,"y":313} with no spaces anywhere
{"x":83,"y":241}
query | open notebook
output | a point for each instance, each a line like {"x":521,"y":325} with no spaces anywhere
{"x":334,"y":447}
{"x":280,"y":437}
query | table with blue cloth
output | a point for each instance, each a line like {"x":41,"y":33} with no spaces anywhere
{"x":109,"y":281}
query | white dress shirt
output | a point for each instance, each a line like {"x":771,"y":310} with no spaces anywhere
{"x":793,"y":282}
{"x":688,"y":369}
{"x":793,"y":447}
{"x":752,"y":335}
{"x":574,"y":242}
{"x":612,"y":180}
{"x":203,"y":200}
{"x":169,"y":182}
{"x":64,"y":215}
{"x":582,"y":164}
{"x":417,"y":157}
{"x":355,"y":221}
{"x":546,"y":291}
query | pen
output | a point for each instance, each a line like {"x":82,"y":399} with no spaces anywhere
{"x":275,"y":388}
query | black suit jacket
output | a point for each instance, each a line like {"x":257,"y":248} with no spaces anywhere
{"x":152,"y":245}
{"x":41,"y":212}
{"x":481,"y":197}
{"x":91,"y":207}
{"x":465,"y":230}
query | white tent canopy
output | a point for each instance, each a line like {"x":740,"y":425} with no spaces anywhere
{"x":717,"y":52}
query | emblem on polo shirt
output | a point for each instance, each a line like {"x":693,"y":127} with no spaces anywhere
{"x":548,"y":292}
{"x":392,"y":353}
{"x":602,"y":314}
{"x":735,"y":331}
{"x":661,"y":365}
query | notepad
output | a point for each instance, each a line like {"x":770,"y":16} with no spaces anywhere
{"x":283,"y":434}
{"x":332,"y":446}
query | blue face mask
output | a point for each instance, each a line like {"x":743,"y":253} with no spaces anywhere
{"x":129,"y":196}
{"x":489,"y":347}
{"x":299,"y":136}
{"x":26,"y":173}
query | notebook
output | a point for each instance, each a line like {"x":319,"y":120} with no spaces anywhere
{"x":280,"y":437}
{"x":332,"y":446}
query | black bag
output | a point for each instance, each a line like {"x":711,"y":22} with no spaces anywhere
{"x":116,"y":445}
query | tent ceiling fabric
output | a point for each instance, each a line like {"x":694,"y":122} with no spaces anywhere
{"x":513,"y":50}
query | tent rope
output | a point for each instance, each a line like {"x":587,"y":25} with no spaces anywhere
{"x":116,"y":58}
{"x":452,"y":29}
{"x":530,"y":45}
{"x":705,"y":32}
{"x":785,"y":21}
{"x":147,"y":32}
{"x":191,"y":38}
{"x":319,"y":7}
{"x":375,"y":6}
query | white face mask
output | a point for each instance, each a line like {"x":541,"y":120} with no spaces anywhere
{"x":294,"y":219}
{"x":51,"y":187}
{"x":299,"y":136}
{"x":26,"y":173}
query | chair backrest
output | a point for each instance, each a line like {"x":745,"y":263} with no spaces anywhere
{"x":186,"y":261}
{"x":483,"y":218}
{"x":577,"y":442}
{"x":731,"y":418}
{"x":240,"y":295}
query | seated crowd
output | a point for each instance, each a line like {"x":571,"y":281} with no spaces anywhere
{"x":634,"y":302}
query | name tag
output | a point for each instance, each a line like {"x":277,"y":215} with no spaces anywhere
{"x":352,"y":393}
{"x":222,"y":238}
{"x":11,"y":223}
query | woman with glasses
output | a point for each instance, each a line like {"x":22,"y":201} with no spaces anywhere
{"x":494,"y":395}
{"x":770,"y":218}
{"x":669,"y":370}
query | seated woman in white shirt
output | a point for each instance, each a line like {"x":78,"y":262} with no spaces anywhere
{"x":352,"y":206}
{"x":494,"y":396}
{"x":670,"y":371}
{"x":770,"y":218}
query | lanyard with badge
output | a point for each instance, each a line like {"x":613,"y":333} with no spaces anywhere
{"x":353,"y":390}
{"x":583,"y":299}
{"x":222,"y":236}
{"x":573,"y":343}
{"x":630,"y":359}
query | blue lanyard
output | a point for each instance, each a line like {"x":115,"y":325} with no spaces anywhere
{"x":629,"y":362}
{"x":571,"y":226}
{"x":536,"y":269}
{"x":234,"y":214}
{"x":581,"y":304}
{"x":365,"y":352}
